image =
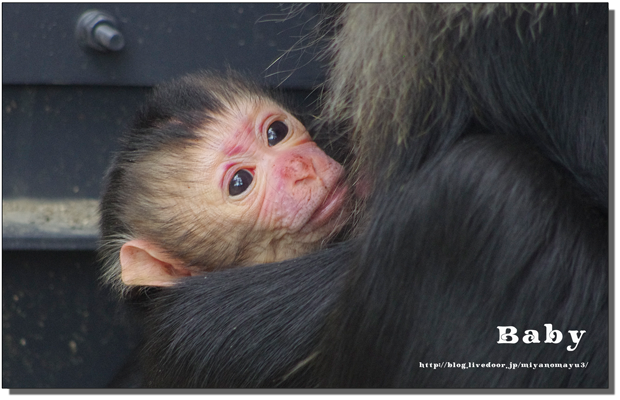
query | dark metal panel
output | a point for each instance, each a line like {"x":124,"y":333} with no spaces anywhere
{"x":162,"y":40}
{"x":57,"y":140}
{"x":60,"y":329}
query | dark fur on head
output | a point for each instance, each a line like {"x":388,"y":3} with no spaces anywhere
{"x":142,"y":195}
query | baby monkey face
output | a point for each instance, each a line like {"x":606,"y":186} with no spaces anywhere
{"x":265,"y":175}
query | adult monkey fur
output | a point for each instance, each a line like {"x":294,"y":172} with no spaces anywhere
{"x":482,"y":131}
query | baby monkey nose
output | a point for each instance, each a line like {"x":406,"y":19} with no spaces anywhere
{"x":299,"y":168}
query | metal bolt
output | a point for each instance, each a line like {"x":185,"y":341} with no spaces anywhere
{"x":97,"y":30}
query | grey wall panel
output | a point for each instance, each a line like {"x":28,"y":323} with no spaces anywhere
{"x":60,"y":329}
{"x":57,"y":140}
{"x":162,"y":40}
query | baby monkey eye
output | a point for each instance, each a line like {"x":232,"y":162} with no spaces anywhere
{"x":240,"y":182}
{"x":276,"y":133}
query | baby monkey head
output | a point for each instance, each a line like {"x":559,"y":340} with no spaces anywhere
{"x":215,"y":173}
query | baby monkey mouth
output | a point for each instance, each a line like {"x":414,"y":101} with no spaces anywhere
{"x":331,"y":204}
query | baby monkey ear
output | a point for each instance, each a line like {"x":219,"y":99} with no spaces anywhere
{"x":145,"y":264}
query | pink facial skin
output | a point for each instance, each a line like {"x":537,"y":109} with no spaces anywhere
{"x":306,"y":188}
{"x":297,"y":196}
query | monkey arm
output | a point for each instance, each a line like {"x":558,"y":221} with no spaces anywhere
{"x":489,"y":234}
{"x":244,"y":327}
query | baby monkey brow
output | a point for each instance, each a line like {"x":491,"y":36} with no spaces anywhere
{"x":240,"y":140}
{"x":234,"y":150}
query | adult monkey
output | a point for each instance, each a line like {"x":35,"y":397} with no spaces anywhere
{"x":496,"y":122}
{"x":482,"y":133}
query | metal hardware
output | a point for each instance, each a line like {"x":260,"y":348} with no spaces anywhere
{"x":97,"y":30}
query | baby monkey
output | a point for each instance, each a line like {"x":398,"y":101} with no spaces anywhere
{"x":214,"y":173}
